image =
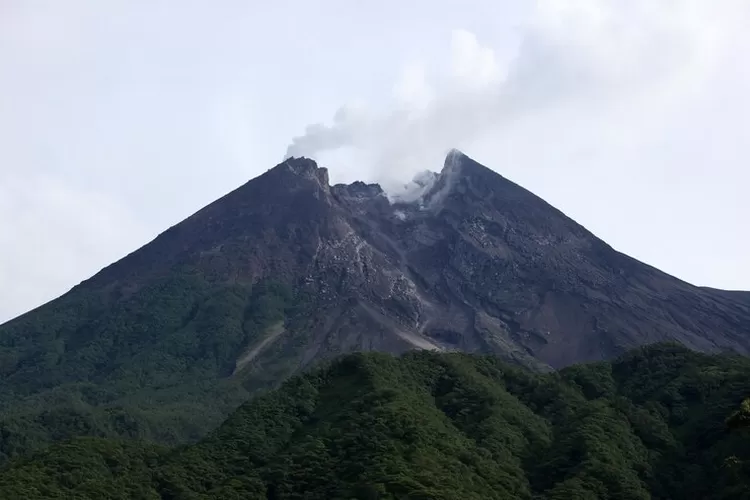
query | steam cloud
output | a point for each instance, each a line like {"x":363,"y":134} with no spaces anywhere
{"x":604,"y":50}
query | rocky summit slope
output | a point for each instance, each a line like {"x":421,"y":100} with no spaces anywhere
{"x":288,"y":270}
{"x":477,"y":263}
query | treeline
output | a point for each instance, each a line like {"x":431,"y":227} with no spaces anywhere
{"x":660,"y":422}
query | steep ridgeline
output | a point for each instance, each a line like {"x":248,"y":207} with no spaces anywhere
{"x":662,"y":422}
{"x":288,"y":270}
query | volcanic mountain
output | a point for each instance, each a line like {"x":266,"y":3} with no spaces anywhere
{"x":288,"y":270}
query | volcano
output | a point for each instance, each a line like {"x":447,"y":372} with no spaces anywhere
{"x":288,"y":270}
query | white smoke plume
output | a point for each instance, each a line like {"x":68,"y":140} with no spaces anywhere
{"x":597,"y":51}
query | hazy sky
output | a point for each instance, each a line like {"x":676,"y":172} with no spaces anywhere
{"x":121,"y":118}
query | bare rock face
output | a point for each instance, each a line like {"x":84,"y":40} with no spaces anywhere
{"x":474,"y":263}
{"x":480,"y":264}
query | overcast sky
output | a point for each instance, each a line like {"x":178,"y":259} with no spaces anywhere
{"x":121,"y":118}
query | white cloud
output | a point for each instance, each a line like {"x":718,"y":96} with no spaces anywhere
{"x":592,"y":53}
{"x":472,"y":64}
{"x":412,"y":90}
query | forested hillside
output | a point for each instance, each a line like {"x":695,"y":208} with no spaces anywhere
{"x":659,"y":422}
{"x":160,"y":365}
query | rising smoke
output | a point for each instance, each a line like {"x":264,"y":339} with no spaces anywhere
{"x":603,"y":51}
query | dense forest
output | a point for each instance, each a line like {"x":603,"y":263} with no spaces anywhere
{"x":660,"y":422}
{"x":160,"y":365}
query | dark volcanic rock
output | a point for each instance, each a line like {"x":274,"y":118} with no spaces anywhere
{"x":476,"y":264}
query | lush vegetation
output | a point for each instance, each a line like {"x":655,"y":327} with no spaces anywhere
{"x":660,"y":422}
{"x":159,"y":364}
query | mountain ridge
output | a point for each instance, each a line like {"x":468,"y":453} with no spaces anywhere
{"x":478,"y":264}
{"x":297,"y":193}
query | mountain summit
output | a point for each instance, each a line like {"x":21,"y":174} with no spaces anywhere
{"x":288,"y":270}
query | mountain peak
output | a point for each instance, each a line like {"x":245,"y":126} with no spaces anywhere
{"x":307,"y":168}
{"x":458,"y":168}
{"x":458,"y":164}
{"x":454,"y":158}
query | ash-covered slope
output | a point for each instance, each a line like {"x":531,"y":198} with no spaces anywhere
{"x":288,"y":270}
{"x":488,"y":266}
{"x":477,"y":263}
